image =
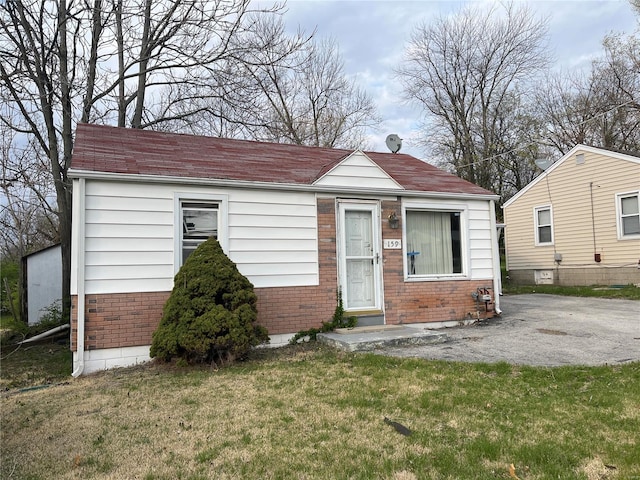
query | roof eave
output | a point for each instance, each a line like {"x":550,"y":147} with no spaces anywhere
{"x":561,"y":160}
{"x":298,"y":187}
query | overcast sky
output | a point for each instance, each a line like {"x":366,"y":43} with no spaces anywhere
{"x":372,"y":36}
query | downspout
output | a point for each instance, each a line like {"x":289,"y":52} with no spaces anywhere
{"x":79,"y":222}
{"x":596,"y":258}
{"x":495,"y":253}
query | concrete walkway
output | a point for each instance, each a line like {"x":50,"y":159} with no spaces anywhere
{"x":367,"y":339}
{"x":536,"y":329}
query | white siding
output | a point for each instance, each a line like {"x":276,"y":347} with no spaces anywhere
{"x":358,"y":171}
{"x":273,"y":237}
{"x":479,"y":240}
{"x":130,"y":236}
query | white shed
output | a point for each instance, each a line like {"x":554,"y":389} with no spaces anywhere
{"x":42,"y":282}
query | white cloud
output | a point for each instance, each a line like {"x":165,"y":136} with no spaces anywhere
{"x":372,"y":36}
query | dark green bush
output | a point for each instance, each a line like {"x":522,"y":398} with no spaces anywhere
{"x":211,"y":313}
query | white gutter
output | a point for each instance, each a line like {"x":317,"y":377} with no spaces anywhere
{"x":138,"y":178}
{"x":79,"y":223}
{"x":495,"y":253}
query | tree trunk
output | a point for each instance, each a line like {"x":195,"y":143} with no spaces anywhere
{"x":136,"y":122}
{"x":63,"y":189}
{"x":122,"y":104}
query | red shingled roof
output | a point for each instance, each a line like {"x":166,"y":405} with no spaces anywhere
{"x":100,"y":148}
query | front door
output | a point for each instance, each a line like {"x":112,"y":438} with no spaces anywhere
{"x":359,"y":257}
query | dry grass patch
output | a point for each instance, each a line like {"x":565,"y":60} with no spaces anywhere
{"x":28,"y":365}
{"x":308,"y":412}
{"x":595,"y":469}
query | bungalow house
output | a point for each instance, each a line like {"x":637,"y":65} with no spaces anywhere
{"x":578,"y":223}
{"x":404,"y":241}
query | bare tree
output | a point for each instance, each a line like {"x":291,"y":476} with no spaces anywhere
{"x":518,"y":131}
{"x":464,"y":71}
{"x":27,"y":215}
{"x":109,"y":61}
{"x":600,"y":107}
{"x":229,"y":103}
{"x":313,"y":102}
{"x":304,"y":98}
{"x":34,"y":69}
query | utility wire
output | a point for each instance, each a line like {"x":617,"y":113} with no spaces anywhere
{"x":530,"y":144}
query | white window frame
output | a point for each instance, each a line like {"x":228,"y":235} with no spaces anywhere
{"x":464,"y":240}
{"x":536,"y":228}
{"x":191,"y":197}
{"x":619,"y":215}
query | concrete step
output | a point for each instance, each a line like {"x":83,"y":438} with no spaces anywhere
{"x":370,"y":338}
{"x":368,"y":320}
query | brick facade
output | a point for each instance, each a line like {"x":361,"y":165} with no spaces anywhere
{"x":115,"y":320}
{"x":129,"y":319}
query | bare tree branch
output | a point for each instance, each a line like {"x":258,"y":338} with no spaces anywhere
{"x":468,"y":72}
{"x":145,"y":62}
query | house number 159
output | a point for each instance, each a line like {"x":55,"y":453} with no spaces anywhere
{"x":395,"y":244}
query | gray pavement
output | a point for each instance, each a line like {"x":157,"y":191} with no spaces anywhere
{"x":543,"y":330}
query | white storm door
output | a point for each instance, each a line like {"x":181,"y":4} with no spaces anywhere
{"x":360,"y":257}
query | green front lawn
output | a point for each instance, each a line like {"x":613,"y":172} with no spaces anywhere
{"x":309,"y":412}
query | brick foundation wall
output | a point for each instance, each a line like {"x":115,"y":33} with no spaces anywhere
{"x":118,"y":319}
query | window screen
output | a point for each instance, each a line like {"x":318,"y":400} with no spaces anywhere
{"x":199,"y":222}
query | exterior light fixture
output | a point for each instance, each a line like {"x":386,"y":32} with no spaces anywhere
{"x":394,"y":221}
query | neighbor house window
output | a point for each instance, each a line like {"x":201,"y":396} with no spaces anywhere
{"x":629,"y":214}
{"x":544,"y":226}
{"x":434,"y":243}
{"x":199,"y":222}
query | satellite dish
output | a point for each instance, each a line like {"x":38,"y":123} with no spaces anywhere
{"x":394,"y":143}
{"x":543,"y":163}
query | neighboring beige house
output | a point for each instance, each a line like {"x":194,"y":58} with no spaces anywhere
{"x":578,"y":223}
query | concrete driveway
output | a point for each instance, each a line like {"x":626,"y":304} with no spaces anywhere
{"x":544,"y":330}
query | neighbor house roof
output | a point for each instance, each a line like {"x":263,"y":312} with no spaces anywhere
{"x":629,"y":157}
{"x":124,"y":151}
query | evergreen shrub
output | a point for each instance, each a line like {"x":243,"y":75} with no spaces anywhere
{"x":211,"y":313}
